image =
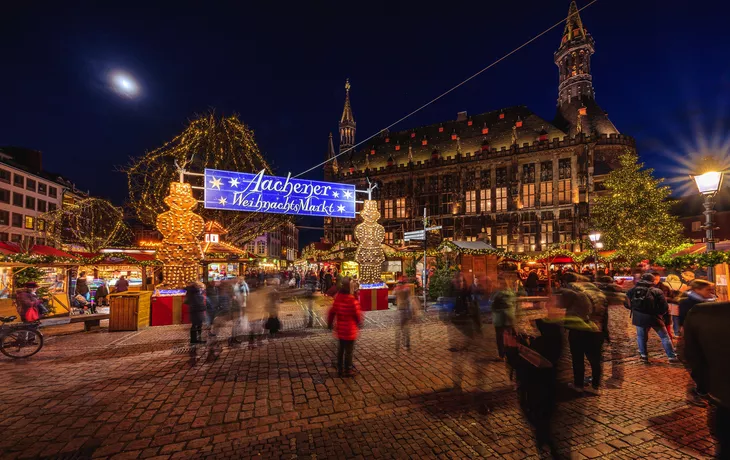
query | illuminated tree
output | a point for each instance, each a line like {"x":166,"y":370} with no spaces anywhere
{"x":92,"y":223}
{"x":207,"y":142}
{"x":633,"y":215}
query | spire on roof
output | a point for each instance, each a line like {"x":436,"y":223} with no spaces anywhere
{"x":573,"y":25}
{"x":347,"y":111}
{"x":330,"y":149}
{"x":347,"y":122}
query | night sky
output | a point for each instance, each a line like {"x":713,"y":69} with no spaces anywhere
{"x":661,"y":71}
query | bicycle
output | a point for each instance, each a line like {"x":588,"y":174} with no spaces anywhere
{"x":20,"y":340}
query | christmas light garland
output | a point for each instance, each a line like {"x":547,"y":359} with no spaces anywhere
{"x":211,"y":142}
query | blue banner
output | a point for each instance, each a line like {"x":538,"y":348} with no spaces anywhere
{"x":238,"y":191}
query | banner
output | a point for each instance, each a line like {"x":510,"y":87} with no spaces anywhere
{"x":237,"y":191}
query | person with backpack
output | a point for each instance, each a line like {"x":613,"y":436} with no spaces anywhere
{"x":648,"y":305}
{"x":585,"y":312}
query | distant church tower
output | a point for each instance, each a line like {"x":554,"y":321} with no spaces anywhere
{"x":347,"y":122}
{"x":331,"y":167}
{"x":578,"y":111}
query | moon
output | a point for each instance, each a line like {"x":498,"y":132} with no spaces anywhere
{"x":124,"y":84}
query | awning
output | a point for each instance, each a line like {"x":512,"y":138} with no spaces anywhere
{"x":557,"y":260}
{"x":8,"y":248}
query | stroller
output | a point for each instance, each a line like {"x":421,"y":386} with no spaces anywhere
{"x":81,"y":306}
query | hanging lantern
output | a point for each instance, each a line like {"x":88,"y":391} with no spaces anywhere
{"x":372,"y":151}
{"x":387,"y":140}
{"x":424,"y":141}
{"x":413,"y":134}
{"x":454,"y":136}
{"x":518,"y":123}
{"x":501,"y":116}
{"x":485,"y":130}
{"x":397,"y":147}
{"x":469,"y":123}
{"x":441,"y":129}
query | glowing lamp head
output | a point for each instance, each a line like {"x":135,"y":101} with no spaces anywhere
{"x":599,"y":245}
{"x":709,"y":182}
{"x":594,"y":237}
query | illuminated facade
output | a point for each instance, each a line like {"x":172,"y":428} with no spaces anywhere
{"x":508,"y":176}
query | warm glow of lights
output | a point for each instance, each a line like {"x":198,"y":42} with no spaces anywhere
{"x":370,"y":236}
{"x":709,"y":182}
{"x":594,"y":237}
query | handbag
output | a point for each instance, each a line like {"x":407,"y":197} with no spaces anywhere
{"x":32,"y":315}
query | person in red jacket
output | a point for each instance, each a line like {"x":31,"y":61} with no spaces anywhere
{"x":346,"y":316}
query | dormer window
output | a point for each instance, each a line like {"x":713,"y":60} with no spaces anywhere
{"x":387,"y":140}
{"x":485,"y":130}
{"x":397,"y":147}
{"x":501,"y":116}
{"x":469,"y":123}
{"x":212,"y":238}
{"x":413,"y":135}
{"x":441,"y":129}
{"x":454,"y":136}
{"x":424,"y":141}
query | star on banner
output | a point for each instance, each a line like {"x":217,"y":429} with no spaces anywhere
{"x":347,"y":194}
{"x":215,"y":183}
{"x":233,"y":182}
{"x":336,"y":194}
{"x":341,"y":208}
{"x":222,"y":200}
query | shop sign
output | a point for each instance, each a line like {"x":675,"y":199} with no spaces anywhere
{"x":238,"y":191}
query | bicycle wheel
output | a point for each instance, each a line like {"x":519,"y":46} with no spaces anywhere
{"x":21,"y":343}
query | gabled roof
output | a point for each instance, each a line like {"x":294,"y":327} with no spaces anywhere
{"x":439,"y":136}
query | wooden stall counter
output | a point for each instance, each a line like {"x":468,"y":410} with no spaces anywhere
{"x":129,"y":311}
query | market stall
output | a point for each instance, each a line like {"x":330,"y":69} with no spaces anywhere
{"x":137,"y":267}
{"x":690,"y":261}
{"x":49,"y":267}
{"x":476,"y":258}
{"x":222,"y":260}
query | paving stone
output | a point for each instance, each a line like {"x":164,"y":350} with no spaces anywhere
{"x":134,"y":396}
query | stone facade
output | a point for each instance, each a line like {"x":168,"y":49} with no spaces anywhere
{"x":507,"y":176}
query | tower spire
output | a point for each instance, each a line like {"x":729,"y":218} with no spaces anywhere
{"x":347,"y":122}
{"x":331,"y":166}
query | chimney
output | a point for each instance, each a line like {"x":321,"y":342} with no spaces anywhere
{"x":461,"y":116}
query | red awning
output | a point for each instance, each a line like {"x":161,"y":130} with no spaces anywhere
{"x":36,"y":250}
{"x":557,"y":260}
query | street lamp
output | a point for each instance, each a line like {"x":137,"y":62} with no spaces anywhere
{"x":594,"y":237}
{"x":708,"y":185}
{"x":596,"y":244}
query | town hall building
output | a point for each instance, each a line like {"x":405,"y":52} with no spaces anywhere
{"x":508,"y":176}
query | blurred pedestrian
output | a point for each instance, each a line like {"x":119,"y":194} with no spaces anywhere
{"x":402,"y":293}
{"x":27,"y":302}
{"x":532,"y":283}
{"x":345,"y":317}
{"x":504,"y":302}
{"x":196,"y":307}
{"x":585,"y":309}
{"x":101,"y":295}
{"x":273,"y":325}
{"x":700,"y":291}
{"x":706,"y":347}
{"x":82,"y":287}
{"x":648,"y":305}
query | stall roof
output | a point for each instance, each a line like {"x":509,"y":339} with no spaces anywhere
{"x":472,"y":245}
{"x":37,"y":249}
{"x":699,"y":248}
{"x":110,"y":259}
{"x":557,"y":260}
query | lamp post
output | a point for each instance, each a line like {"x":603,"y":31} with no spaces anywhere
{"x":596,"y":244}
{"x":708,"y":185}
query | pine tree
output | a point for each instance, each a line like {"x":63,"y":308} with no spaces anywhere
{"x":633,"y":215}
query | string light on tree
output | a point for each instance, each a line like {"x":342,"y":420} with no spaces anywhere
{"x":209,"y":141}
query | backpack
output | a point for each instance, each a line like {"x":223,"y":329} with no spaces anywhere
{"x":642,"y":300}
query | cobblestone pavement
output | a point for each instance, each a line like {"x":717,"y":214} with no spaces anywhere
{"x":147,"y":394}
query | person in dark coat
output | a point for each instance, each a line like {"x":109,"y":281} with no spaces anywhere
{"x":28,"y":303}
{"x":82,"y":287}
{"x":706,"y":348}
{"x":648,"y":305}
{"x":532,"y":283}
{"x":196,"y":306}
{"x":122,"y":284}
{"x":700,"y":291}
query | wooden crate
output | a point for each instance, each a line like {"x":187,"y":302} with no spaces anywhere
{"x":129,"y":311}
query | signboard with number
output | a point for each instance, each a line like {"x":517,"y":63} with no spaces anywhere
{"x":238,"y":191}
